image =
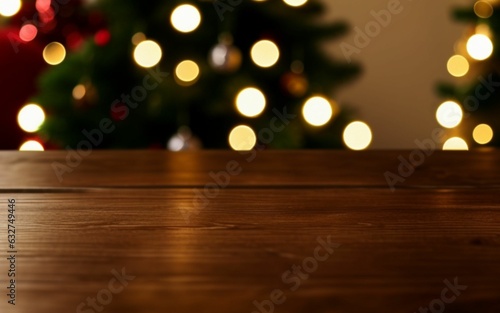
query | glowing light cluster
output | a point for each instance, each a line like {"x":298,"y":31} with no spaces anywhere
{"x":265,"y":53}
{"x":185,"y":18}
{"x":455,"y":143}
{"x":479,"y":47}
{"x":295,"y":3}
{"x":317,"y":111}
{"x":10,"y":7}
{"x":482,"y":134}
{"x":250,"y":102}
{"x":458,"y":66}
{"x":31,"y":145}
{"x":79,"y":92}
{"x":357,"y":135}
{"x":54,"y":53}
{"x":28,"y":32}
{"x":187,"y":72}
{"x":449,"y":114}
{"x":30,"y":118}
{"x":483,"y":9}
{"x":147,"y":53}
{"x":242,"y":138}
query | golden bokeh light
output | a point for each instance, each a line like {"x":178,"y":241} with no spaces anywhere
{"x":9,"y":7}
{"x":79,"y":92}
{"x":482,"y":134}
{"x":31,"y":145}
{"x":147,"y":53}
{"x":242,"y":138}
{"x":138,"y":38}
{"x":483,"y":9}
{"x":250,"y":102}
{"x":187,"y":72}
{"x":455,"y":143}
{"x":54,"y":53}
{"x":295,"y":3}
{"x":317,"y":111}
{"x":185,"y":18}
{"x":458,"y":66}
{"x":265,"y":53}
{"x":449,"y":114}
{"x":30,"y":118}
{"x":357,"y":136}
{"x":479,"y":47}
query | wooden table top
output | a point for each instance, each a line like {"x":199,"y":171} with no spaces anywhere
{"x":272,"y":231}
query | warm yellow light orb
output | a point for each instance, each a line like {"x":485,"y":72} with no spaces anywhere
{"x":147,"y":53}
{"x":54,"y":53}
{"x":458,"y":66}
{"x":79,"y":92}
{"x":455,"y":143}
{"x":265,"y":53}
{"x":317,"y":111}
{"x":30,"y":118}
{"x":242,"y":138}
{"x":185,"y":18}
{"x":9,"y":7}
{"x":357,"y":136}
{"x":295,"y":3}
{"x":138,"y":38}
{"x":31,"y":145}
{"x":449,"y":114}
{"x":479,"y":47}
{"x":482,"y":134}
{"x":483,"y":9}
{"x":250,"y":102}
{"x":187,"y":72}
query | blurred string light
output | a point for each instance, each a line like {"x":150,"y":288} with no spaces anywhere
{"x":30,"y":118}
{"x":479,"y":47}
{"x":455,"y":143}
{"x":54,"y":53}
{"x":449,"y":114}
{"x":28,"y":32}
{"x":242,"y":138}
{"x":250,"y":102}
{"x":9,"y":7}
{"x":482,"y":134}
{"x":484,"y":29}
{"x":31,"y":145}
{"x":458,"y":66}
{"x":317,"y":111}
{"x":295,"y":3}
{"x":137,"y":38}
{"x":185,"y":18}
{"x":483,"y":9}
{"x":187,"y":72}
{"x":79,"y":92}
{"x":357,"y":136}
{"x":43,"y":5}
{"x":265,"y":53}
{"x":147,"y":53}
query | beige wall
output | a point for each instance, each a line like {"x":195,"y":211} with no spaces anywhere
{"x":396,"y":94}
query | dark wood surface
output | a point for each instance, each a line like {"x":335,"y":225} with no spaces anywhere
{"x":135,"y":210}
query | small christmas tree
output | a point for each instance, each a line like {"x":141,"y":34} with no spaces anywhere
{"x":472,"y":108}
{"x":187,"y":74}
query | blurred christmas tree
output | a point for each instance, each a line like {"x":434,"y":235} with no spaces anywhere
{"x":472,"y":109}
{"x":230,"y":63}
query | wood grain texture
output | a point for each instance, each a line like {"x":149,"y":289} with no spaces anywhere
{"x":222,"y":254}
{"x":265,"y":168}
